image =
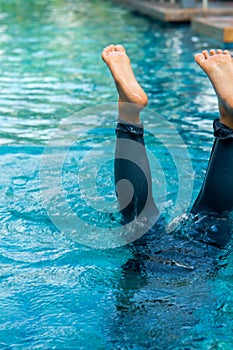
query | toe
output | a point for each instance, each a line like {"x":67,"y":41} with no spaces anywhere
{"x":104,"y":55}
{"x":226,"y":52}
{"x":219,"y":51}
{"x":212,"y":52}
{"x":120,"y":48}
{"x":205,"y":53}
{"x":109,"y":48}
{"x":200,"y":58}
{"x":107,"y":51}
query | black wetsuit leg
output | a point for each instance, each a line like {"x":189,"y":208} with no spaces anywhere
{"x":132,"y":173}
{"x":216,"y":195}
{"x":214,"y":199}
{"x":214,"y":204}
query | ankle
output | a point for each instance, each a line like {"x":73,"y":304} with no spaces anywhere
{"x":227,"y":122}
{"x":130,"y":119}
{"x":226,"y":117}
{"x":129,"y":112}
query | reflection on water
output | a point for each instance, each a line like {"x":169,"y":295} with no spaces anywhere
{"x":55,"y":293}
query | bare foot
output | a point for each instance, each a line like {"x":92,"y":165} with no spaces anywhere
{"x":132,"y":99}
{"x":219,"y":68}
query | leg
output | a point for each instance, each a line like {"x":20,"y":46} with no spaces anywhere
{"x":132,"y":171}
{"x":216,"y":195}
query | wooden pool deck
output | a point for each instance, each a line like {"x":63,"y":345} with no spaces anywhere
{"x":215,"y":21}
{"x":219,"y":28}
{"x":168,"y":12}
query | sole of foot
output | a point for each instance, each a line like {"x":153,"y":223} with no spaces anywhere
{"x":132,"y":98}
{"x":218,"y":65}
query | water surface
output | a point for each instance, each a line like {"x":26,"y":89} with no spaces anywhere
{"x":56,"y":293}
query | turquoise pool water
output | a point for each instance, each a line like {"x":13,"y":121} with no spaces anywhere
{"x":56,"y":293}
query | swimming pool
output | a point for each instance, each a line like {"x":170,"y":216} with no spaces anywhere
{"x":56,"y":293}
